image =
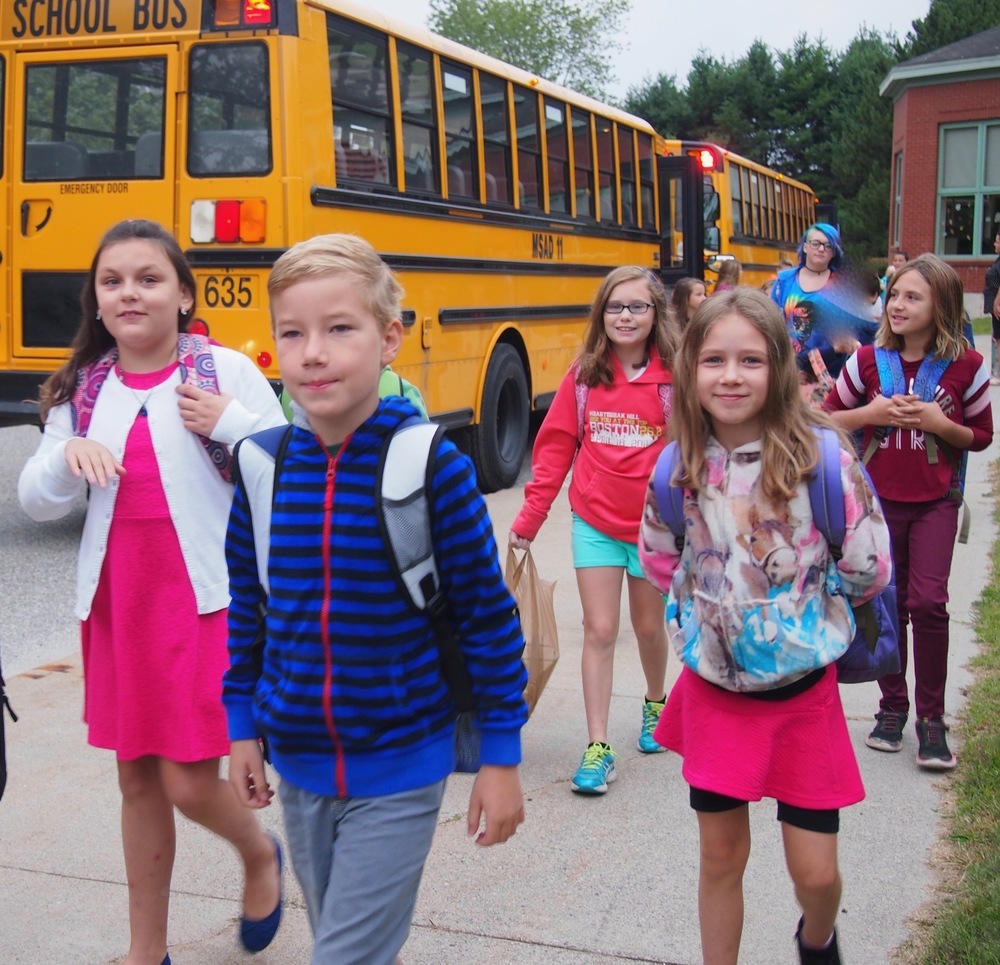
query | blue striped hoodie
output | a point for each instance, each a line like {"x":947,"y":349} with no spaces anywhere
{"x":349,"y":695}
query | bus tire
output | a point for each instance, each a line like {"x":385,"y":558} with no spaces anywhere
{"x":500,"y":440}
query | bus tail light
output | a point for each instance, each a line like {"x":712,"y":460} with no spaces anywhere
{"x":244,"y":13}
{"x":229,"y":220}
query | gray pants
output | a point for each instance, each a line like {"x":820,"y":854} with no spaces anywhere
{"x":359,"y":862}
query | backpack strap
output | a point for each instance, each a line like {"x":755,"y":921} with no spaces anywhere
{"x":197,"y":368}
{"x":257,"y":460}
{"x":669,"y":497}
{"x":826,"y":491}
{"x":405,"y":478}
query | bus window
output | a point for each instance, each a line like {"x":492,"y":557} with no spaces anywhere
{"x":86,"y":121}
{"x":362,"y":111}
{"x":416,"y":97}
{"x":496,"y":139}
{"x":646,"y":178}
{"x":529,"y":150}
{"x":626,"y":165}
{"x":583,"y":163}
{"x":606,"y":170}
{"x":460,"y":131}
{"x":229,"y":121}
{"x":555,"y":137}
{"x":735,"y":176}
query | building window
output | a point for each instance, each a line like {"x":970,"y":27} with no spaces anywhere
{"x":968,"y":189}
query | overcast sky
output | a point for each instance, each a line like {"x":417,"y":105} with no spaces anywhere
{"x":662,"y":36}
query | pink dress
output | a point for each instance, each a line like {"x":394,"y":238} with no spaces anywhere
{"x":152,"y":665}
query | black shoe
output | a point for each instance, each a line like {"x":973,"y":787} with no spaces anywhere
{"x":933,"y":753}
{"x":888,"y":733}
{"x":817,"y":956}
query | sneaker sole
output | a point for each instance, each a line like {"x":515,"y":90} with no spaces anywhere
{"x":878,"y":745}
{"x":936,"y":764}
{"x":650,"y":750}
{"x":599,"y":789}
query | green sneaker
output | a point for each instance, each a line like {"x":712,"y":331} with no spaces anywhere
{"x":651,"y":710}
{"x":596,"y":771}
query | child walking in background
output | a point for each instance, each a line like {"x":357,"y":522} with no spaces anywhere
{"x":151,"y":579}
{"x":921,"y":395}
{"x":347,"y":687}
{"x":608,"y":422}
{"x":687,"y":295}
{"x":730,"y":271}
{"x":756,"y":710}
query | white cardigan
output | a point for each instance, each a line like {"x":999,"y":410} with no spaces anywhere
{"x":197,"y":496}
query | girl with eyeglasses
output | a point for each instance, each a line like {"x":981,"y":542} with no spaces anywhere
{"x":608,"y":422}
{"x":823,"y":309}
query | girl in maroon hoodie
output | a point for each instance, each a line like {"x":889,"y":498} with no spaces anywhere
{"x":608,"y":422}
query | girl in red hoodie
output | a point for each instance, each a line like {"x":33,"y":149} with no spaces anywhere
{"x":608,"y":422}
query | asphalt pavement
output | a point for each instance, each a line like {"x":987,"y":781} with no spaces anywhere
{"x":586,"y":880}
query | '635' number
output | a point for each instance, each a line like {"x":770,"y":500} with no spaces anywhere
{"x":229,"y":291}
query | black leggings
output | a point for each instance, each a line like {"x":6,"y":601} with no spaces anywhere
{"x":825,"y":821}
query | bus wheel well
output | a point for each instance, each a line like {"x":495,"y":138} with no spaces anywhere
{"x":499,"y":442}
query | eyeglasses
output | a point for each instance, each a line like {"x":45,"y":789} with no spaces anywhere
{"x":819,"y":245}
{"x":634,"y":308}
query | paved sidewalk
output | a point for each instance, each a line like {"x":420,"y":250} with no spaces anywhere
{"x":586,"y":880}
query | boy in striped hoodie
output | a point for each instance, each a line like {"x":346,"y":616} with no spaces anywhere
{"x":349,"y":695}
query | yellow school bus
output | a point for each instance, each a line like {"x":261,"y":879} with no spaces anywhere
{"x":750,"y":212}
{"x":243,"y":126}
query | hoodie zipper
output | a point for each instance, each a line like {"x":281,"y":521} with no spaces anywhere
{"x":340,"y":772}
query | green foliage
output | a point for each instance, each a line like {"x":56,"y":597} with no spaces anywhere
{"x":948,"y":21}
{"x":968,"y":927}
{"x":807,"y":112}
{"x":555,"y":39}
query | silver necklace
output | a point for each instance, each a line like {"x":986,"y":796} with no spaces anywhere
{"x":141,"y":399}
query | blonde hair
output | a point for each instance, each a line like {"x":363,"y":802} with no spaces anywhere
{"x":729,"y":273}
{"x":341,"y":254}
{"x":594,"y":362}
{"x":947,"y":304}
{"x":789,"y":449}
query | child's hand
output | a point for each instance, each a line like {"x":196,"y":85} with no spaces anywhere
{"x":93,"y":460}
{"x":518,"y":542}
{"x":248,"y":775}
{"x":201,"y":410}
{"x":497,"y":796}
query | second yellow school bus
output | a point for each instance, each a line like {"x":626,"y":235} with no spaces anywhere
{"x":750,"y":212}
{"x":244,"y":126}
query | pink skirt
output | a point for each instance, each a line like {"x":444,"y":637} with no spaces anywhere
{"x":797,"y":750}
{"x":152,"y":664}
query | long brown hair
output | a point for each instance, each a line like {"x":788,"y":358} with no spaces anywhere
{"x":948,"y":308}
{"x":594,"y":363}
{"x":679,"y":299}
{"x":789,"y":449}
{"x":92,"y":339}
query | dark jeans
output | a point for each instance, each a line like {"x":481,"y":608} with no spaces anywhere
{"x":923,"y":542}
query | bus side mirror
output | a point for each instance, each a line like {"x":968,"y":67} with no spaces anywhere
{"x":712,"y":238}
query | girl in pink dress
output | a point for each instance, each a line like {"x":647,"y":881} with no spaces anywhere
{"x":759,"y":611}
{"x":143,"y":422}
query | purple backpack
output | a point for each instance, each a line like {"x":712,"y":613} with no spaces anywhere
{"x":874,"y":651}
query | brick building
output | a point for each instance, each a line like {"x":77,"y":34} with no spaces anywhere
{"x":945,"y":190}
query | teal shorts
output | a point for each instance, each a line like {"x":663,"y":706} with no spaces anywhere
{"x":593,"y":548}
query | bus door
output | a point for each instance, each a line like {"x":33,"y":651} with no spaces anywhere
{"x":86,"y":150}
{"x":682,"y":229}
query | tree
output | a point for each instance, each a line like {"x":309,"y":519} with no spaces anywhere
{"x":663,"y":104}
{"x":948,"y":21}
{"x":555,"y":39}
{"x":862,"y":142}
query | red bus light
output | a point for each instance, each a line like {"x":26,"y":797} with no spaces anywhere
{"x":227,"y":221}
{"x":257,"y":13}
